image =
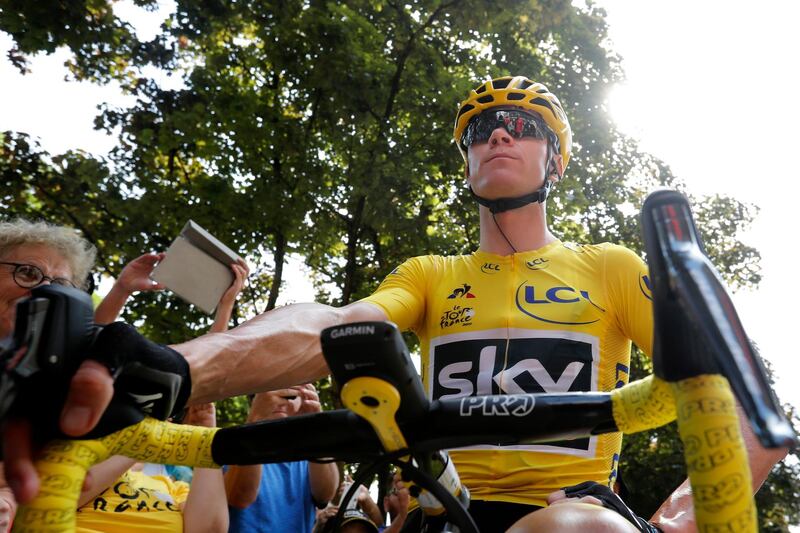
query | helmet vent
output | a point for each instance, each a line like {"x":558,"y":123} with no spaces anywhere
{"x":481,"y":89}
{"x":465,"y":109}
{"x":486,"y":99}
{"x":515,"y":96}
{"x":543,"y":102}
{"x":501,"y":83}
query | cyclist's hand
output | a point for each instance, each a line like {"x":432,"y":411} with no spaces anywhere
{"x":677,"y":518}
{"x":89,"y":394}
{"x":135,"y":276}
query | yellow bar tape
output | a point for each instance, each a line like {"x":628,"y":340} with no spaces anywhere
{"x":644,"y":404}
{"x":716,"y":458}
{"x":63,"y":464}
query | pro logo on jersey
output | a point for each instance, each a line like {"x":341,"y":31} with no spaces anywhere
{"x":490,"y":268}
{"x":466,"y":365}
{"x":461,"y":292}
{"x":557,"y":305}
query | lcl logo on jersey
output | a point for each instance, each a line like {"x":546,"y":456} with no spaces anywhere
{"x":540,"y":263}
{"x":490,"y":268}
{"x":550,"y":304}
{"x":478,"y":367}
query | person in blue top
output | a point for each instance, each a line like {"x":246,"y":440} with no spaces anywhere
{"x":280,"y":496}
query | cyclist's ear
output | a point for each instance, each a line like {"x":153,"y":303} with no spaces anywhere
{"x":556,"y":168}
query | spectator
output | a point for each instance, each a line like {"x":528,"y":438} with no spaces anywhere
{"x":362,"y":515}
{"x":281,"y":496}
{"x":153,"y":489}
{"x":123,"y":495}
{"x":34,"y":254}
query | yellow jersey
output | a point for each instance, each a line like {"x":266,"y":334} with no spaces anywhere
{"x":553,"y":320}
{"x":136,"y":502}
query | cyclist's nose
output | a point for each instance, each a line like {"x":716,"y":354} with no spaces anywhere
{"x":500,"y":136}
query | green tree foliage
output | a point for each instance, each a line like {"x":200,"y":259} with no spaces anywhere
{"x":324,"y":128}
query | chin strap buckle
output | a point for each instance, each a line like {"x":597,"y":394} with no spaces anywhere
{"x":500,"y":205}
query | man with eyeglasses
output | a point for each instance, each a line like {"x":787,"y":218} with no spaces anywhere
{"x":524,"y":313}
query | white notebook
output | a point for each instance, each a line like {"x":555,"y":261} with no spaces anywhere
{"x":197,"y":267}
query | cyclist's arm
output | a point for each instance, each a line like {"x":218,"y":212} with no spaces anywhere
{"x":271,"y":351}
{"x":677,"y":512}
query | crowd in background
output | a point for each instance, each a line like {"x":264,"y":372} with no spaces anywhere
{"x":121,"y":494}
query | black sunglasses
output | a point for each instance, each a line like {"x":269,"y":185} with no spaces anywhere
{"x":517,"y":122}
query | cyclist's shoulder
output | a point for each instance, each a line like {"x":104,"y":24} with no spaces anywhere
{"x":434,"y":261}
{"x":605,"y":251}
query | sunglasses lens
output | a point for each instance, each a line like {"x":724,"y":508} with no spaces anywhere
{"x":517,"y":123}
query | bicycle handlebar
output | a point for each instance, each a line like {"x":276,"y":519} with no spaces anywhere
{"x":689,"y":353}
{"x":342,"y":435}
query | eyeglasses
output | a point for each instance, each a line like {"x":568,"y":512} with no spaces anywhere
{"x":517,"y":122}
{"x":31,"y":276}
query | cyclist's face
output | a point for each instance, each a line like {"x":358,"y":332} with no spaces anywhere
{"x":505,"y":166}
{"x":51,"y":263}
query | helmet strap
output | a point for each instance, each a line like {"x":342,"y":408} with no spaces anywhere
{"x":500,"y":205}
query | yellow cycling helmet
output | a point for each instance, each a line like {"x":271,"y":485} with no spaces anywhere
{"x":521,"y":92}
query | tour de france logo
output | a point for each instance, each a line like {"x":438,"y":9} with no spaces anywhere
{"x":458,"y":315}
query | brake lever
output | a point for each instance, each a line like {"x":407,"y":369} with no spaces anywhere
{"x":53,"y":329}
{"x":696,"y":327}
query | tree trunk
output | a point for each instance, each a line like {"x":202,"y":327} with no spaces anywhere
{"x":280,"y":256}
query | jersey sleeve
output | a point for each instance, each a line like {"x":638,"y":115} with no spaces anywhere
{"x":628,"y":285}
{"x":401,"y":295}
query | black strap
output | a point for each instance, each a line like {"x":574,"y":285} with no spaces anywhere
{"x":505,"y":204}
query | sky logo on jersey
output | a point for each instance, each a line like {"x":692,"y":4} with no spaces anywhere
{"x":551,"y":304}
{"x":461,"y":292}
{"x":472,"y":367}
{"x":645,"y":287}
{"x":490,"y":268}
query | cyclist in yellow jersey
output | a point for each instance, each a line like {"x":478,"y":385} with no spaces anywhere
{"x":524,"y":312}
